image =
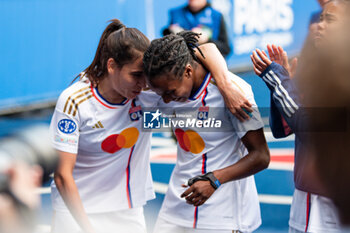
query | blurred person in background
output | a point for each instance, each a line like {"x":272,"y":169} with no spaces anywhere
{"x":20,"y":201}
{"x":325,"y":82}
{"x":26,"y":162}
{"x":312,"y":210}
{"x":315,"y":17}
{"x":199,"y":16}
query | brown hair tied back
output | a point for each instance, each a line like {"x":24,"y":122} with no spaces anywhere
{"x":119,"y":42}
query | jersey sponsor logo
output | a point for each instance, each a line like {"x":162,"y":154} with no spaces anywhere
{"x":98,"y":125}
{"x":203,"y":113}
{"x":67,"y":126}
{"x":75,"y":99}
{"x":190,"y":141}
{"x":135,"y":113}
{"x":67,"y":140}
{"x":125,"y":139}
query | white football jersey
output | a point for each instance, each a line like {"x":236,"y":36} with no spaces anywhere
{"x":313,"y":213}
{"x":234,"y":205}
{"x":112,"y":170}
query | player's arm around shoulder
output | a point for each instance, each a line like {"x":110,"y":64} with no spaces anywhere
{"x":213,"y":60}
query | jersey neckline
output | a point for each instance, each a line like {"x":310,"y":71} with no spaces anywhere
{"x":202,"y":87}
{"x":104,"y":102}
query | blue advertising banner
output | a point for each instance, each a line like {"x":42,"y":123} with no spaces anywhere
{"x":255,"y":23}
{"x":44,"y":44}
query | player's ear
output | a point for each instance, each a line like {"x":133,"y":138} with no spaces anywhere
{"x":111,"y":65}
{"x":188,"y":71}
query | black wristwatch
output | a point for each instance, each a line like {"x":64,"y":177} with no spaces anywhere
{"x":209,"y":176}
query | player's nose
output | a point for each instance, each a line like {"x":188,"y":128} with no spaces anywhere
{"x":142,"y":82}
{"x":320,"y":26}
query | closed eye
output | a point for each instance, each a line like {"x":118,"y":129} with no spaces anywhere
{"x":330,"y":18}
{"x":137,"y":74}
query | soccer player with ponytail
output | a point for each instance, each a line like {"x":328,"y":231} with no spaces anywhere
{"x":103,"y":178}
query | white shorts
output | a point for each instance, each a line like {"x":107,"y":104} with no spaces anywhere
{"x":313,"y":213}
{"x":163,"y":226}
{"x":126,"y":221}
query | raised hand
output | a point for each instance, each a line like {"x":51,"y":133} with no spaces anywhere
{"x":260,"y":61}
{"x":278,"y":55}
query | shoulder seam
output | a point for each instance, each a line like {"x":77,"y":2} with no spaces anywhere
{"x":75,"y":99}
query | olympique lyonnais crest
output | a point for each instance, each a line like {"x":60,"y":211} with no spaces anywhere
{"x":203,"y":113}
{"x":135,"y":113}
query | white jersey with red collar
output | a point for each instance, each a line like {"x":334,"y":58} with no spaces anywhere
{"x":234,"y":205}
{"x":112,"y":170}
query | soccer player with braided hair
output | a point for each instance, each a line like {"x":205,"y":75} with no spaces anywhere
{"x":212,"y":186}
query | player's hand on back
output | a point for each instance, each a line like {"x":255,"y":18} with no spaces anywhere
{"x":198,"y":193}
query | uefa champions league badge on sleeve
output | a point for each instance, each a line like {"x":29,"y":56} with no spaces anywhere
{"x":135,"y":113}
{"x":67,"y":126}
{"x":203,"y":113}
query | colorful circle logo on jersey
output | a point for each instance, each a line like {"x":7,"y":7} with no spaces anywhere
{"x":126,"y":139}
{"x":67,"y":126}
{"x":190,"y":141}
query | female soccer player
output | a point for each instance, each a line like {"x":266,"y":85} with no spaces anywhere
{"x":98,"y":133}
{"x":103,"y":178}
{"x":311,"y":210}
{"x":222,"y":197}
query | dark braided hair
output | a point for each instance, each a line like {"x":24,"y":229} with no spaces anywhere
{"x":122,"y":44}
{"x":171,"y":54}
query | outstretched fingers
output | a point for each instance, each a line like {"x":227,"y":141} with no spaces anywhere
{"x":270,"y":52}
{"x":277,"y":53}
{"x":256,"y":67}
{"x":266,"y":61}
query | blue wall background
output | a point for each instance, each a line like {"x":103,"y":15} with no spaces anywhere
{"x":44,"y":44}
